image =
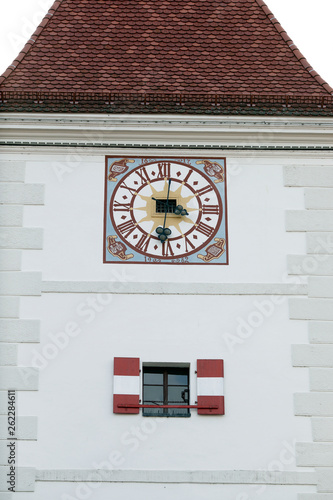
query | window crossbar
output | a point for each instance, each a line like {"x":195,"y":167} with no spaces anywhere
{"x":201,"y":407}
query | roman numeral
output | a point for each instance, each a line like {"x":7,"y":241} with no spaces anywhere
{"x":188,"y":243}
{"x":143,"y":174}
{"x":210,"y":209}
{"x":126,"y":228}
{"x":131,"y":190}
{"x":121,"y":207}
{"x":167,"y":249}
{"x":164,"y":170}
{"x":143,"y":242}
{"x":190,"y":172}
{"x":204,"y":190}
{"x":205,"y":229}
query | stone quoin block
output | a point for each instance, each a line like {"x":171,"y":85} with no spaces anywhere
{"x":321,"y":379}
{"x":320,"y":309}
{"x":319,"y":404}
{"x":10,"y":260}
{"x":11,"y":215}
{"x":25,"y":428}
{"x":320,"y":287}
{"x":319,"y":198}
{"x":9,"y":307}
{"x":310,"y":265}
{"x":309,"y":220}
{"x":18,"y":378}
{"x":22,"y":194}
{"x":314,"y":454}
{"x":12,"y":171}
{"x":314,"y":496}
{"x":16,"y":283}
{"x":308,"y":176}
{"x":321,"y":332}
{"x":21,"y":237}
{"x":25,"y":479}
{"x":325,"y":479}
{"x":8,"y":354}
{"x":312,"y":355}
{"x":6,"y":496}
{"x":19,"y":330}
{"x":319,"y":243}
{"x":322,"y":429}
{"x":3,"y":403}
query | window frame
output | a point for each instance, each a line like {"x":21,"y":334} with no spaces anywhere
{"x":166,"y":370}
{"x":160,"y":206}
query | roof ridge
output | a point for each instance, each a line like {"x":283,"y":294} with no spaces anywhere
{"x":294,"y":49}
{"x":31,"y":41}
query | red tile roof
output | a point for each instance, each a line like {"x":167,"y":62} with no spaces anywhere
{"x":162,"y":46}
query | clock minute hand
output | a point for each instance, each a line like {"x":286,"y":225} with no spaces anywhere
{"x":166,"y":203}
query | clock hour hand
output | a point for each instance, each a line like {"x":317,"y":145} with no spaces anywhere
{"x":164,"y":232}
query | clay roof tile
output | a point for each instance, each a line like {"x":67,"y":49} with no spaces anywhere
{"x":216,"y":47}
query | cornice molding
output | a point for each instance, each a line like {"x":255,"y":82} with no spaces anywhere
{"x":161,"y":119}
{"x":166,"y":131}
{"x":58,"y":146}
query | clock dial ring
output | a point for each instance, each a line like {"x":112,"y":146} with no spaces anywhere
{"x":133,"y":223}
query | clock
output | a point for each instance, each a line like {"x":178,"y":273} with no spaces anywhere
{"x":165,"y":211}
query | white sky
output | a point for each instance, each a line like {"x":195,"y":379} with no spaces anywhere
{"x":307,"y":22}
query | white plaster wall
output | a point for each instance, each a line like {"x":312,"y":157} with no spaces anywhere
{"x":73,"y":222}
{"x":76,"y":426}
{"x":253,"y":334}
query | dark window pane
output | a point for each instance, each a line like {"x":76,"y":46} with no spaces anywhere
{"x":177,"y":379}
{"x":163,"y":207}
{"x":166,"y":386}
{"x":177,"y":394}
{"x":152,"y":393}
{"x":178,"y":412}
{"x":153,"y":378}
{"x":152,"y":412}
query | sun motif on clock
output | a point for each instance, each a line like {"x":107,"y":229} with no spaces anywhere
{"x":165,"y":211}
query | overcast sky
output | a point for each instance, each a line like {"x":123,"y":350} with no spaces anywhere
{"x":307,"y":22}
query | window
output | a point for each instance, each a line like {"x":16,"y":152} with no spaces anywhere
{"x":163,"y":207}
{"x":166,"y":386}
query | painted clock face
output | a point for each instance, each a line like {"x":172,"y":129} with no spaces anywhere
{"x":182,"y":198}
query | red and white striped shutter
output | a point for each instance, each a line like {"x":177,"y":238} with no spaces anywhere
{"x":126,"y":384}
{"x":210,"y":386}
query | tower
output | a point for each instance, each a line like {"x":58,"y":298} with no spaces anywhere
{"x":191,"y":365}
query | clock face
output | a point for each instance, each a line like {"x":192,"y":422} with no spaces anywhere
{"x":182,"y":198}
